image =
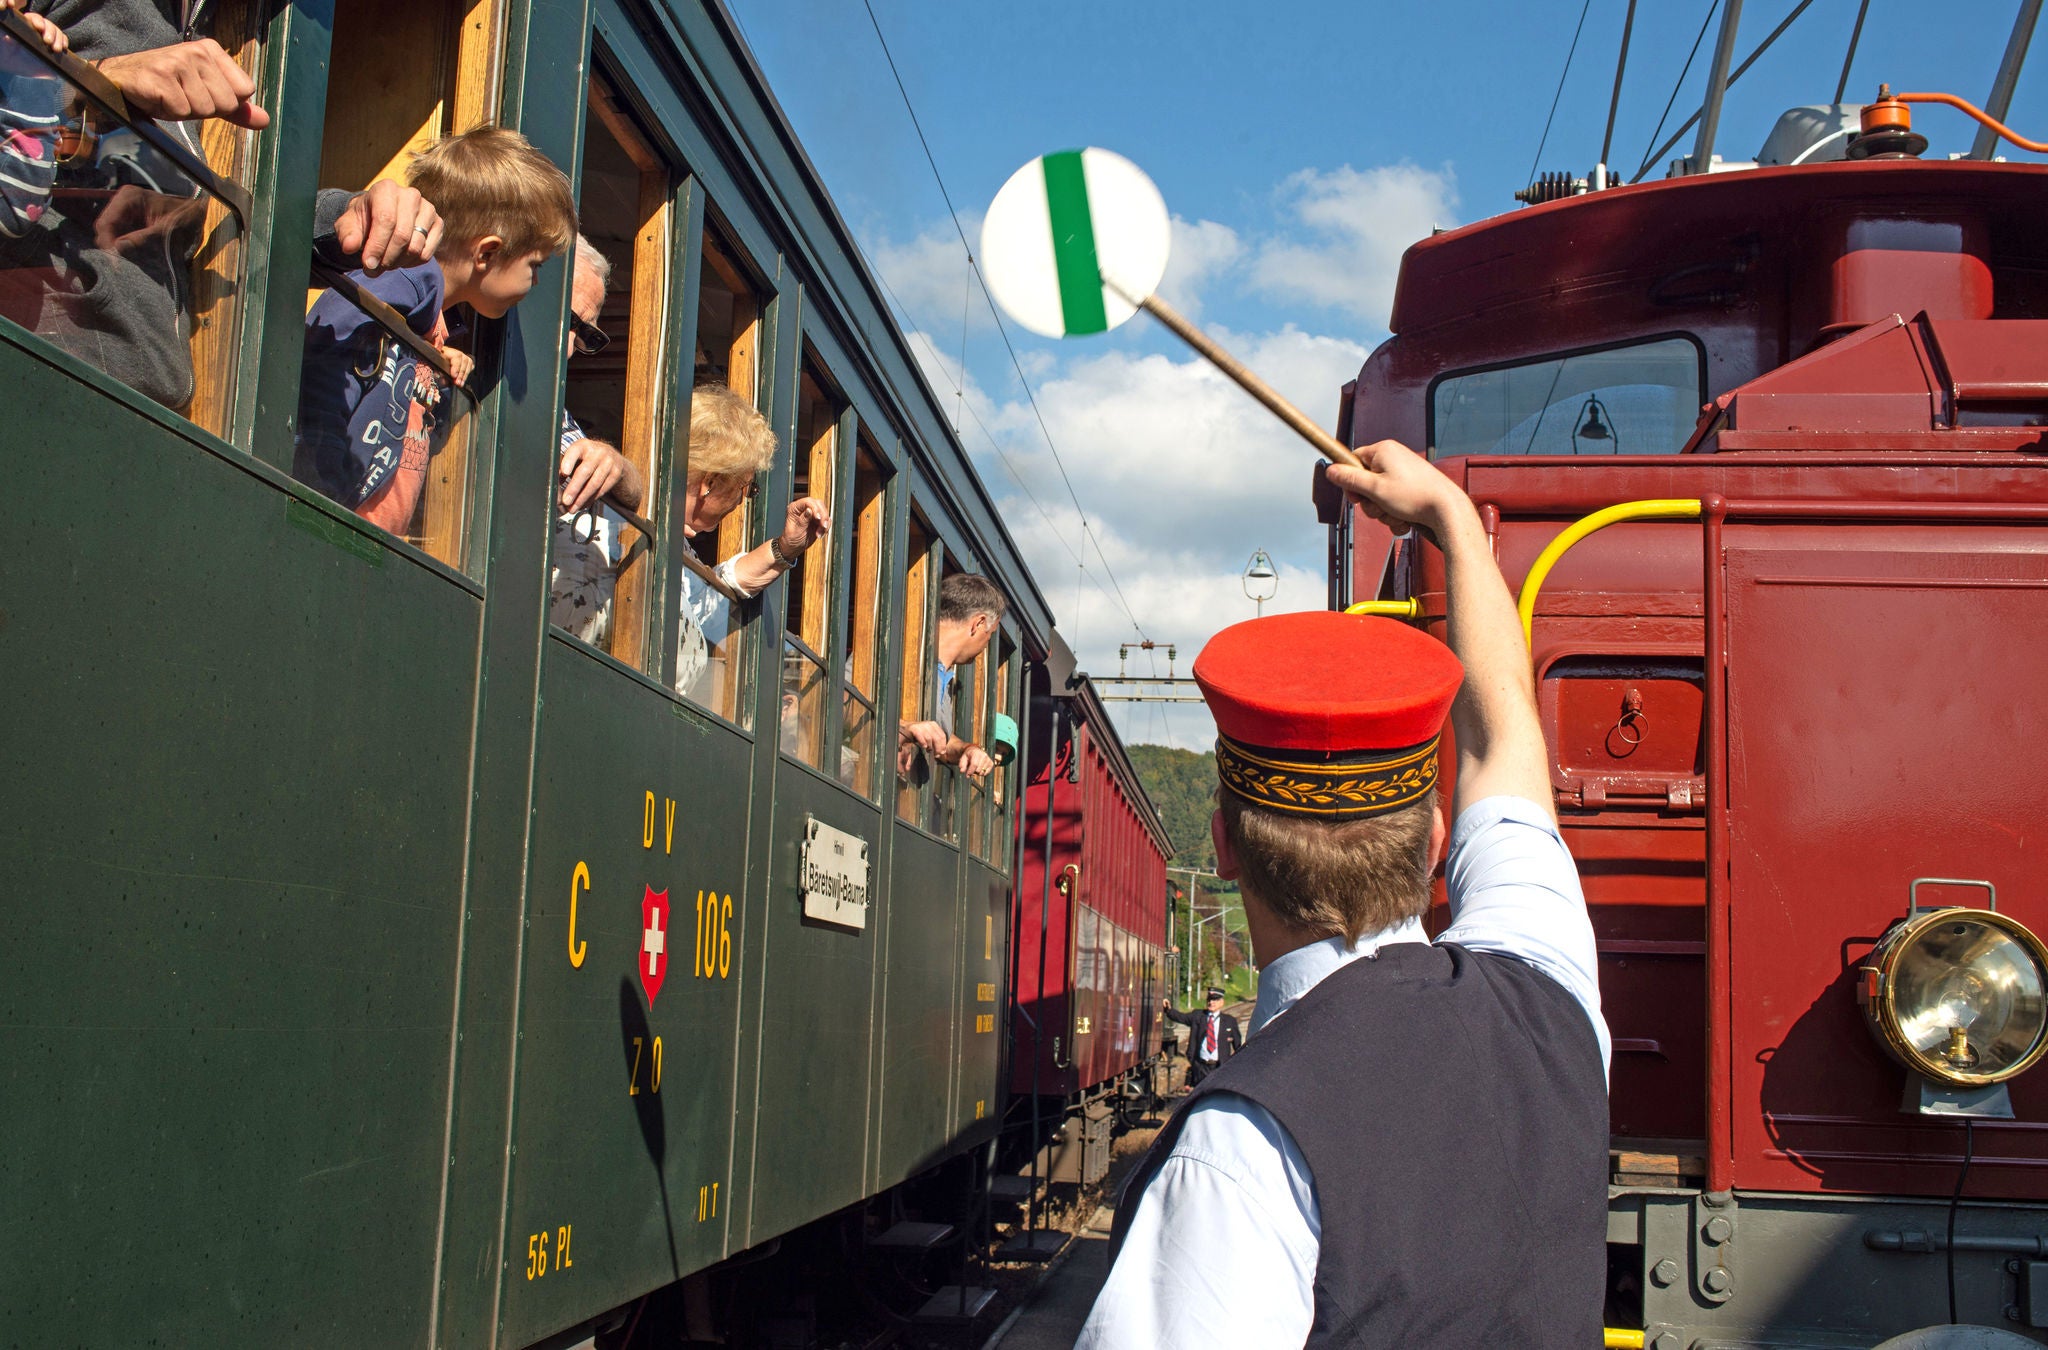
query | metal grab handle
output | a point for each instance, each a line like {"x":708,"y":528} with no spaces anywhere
{"x":390,"y":320}
{"x":1913,"y":892}
{"x":86,"y":77}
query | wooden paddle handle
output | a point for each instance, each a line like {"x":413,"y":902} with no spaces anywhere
{"x":1330,"y":446}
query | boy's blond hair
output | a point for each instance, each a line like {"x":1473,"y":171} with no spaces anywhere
{"x":491,"y":180}
{"x":1328,"y":879}
{"x":728,"y":437}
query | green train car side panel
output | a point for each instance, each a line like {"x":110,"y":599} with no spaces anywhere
{"x":237,"y":745}
{"x":984,"y":956}
{"x":623,"y":1122}
{"x":919,"y":1017}
{"x":816,"y":1023}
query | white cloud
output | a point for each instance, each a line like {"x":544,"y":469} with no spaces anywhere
{"x":1360,"y":222}
{"x":1184,"y":476}
{"x":928,"y":275}
{"x":1202,"y":251}
{"x":1182,"y":473}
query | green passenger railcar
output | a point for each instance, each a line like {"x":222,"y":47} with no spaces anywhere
{"x":335,"y":873}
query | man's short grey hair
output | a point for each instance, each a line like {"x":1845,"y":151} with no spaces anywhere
{"x":588,"y":256}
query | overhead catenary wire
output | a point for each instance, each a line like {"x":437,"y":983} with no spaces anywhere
{"x":1740,"y":70}
{"x":1649,"y":154}
{"x":1038,"y":414}
{"x":1010,"y":466}
{"x":1849,"y":58}
{"x":1564,"y":75}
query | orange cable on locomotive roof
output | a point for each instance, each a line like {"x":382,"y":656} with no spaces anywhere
{"x":1888,"y":112}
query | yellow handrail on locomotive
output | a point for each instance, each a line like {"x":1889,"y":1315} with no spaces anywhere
{"x":1621,"y":1338}
{"x":1654,"y":508}
{"x":1410,"y":608}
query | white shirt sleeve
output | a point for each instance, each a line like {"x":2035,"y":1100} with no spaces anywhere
{"x":1514,"y":891}
{"x":729,"y":573}
{"x":1223,"y":1246}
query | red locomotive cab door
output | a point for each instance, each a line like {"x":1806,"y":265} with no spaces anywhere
{"x":1886,"y":719}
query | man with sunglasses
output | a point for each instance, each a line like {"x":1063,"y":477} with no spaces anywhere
{"x":586,"y":531}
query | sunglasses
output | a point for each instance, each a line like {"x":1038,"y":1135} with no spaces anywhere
{"x":588,"y":337}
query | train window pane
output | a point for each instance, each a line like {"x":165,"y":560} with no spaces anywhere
{"x":403,"y":74}
{"x":976,"y":788}
{"x":1642,"y":399}
{"x":865,"y":517}
{"x":953,"y":708}
{"x":858,"y":761}
{"x":612,"y":402}
{"x":801,"y":728}
{"x":121,"y":243}
{"x":711,"y":662}
{"x":913,"y":764}
{"x":1003,"y":698}
{"x":808,"y":636}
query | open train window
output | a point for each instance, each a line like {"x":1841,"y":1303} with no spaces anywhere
{"x":956,"y":706}
{"x":807,"y":639}
{"x":920,"y":601}
{"x":866,"y":521}
{"x":976,"y":722}
{"x":121,"y":241}
{"x":711,"y":667}
{"x":613,"y":398}
{"x":403,"y":74}
{"x":1002,"y":698}
{"x":1637,"y":398}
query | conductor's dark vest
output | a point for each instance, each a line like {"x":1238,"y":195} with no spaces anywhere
{"x":1453,"y":1113}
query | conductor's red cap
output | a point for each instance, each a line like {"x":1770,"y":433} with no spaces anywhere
{"x":1328,"y":715}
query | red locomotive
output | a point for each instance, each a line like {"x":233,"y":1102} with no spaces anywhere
{"x":1089,"y":947}
{"x":1795,"y":698}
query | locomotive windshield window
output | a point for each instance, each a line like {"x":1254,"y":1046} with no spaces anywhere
{"x":859,"y":758}
{"x":729,"y":328}
{"x":1641,"y":399}
{"x":613,"y":396}
{"x":814,"y":473}
{"x":122,"y":243}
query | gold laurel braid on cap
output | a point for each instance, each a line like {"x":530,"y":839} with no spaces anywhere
{"x":1344,"y":791}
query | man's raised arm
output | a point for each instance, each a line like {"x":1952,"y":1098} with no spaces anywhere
{"x":1500,"y":742}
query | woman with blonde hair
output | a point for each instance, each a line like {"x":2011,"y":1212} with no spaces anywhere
{"x":731,"y":445}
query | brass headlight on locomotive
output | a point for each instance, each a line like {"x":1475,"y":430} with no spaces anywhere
{"x":1959,"y":995}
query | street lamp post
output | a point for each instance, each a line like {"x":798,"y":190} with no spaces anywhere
{"x":1261,"y":581}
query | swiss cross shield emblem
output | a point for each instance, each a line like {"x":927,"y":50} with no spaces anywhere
{"x":653,"y":942}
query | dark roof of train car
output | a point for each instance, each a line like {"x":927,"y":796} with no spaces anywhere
{"x":833,"y":262}
{"x":1091,"y":711}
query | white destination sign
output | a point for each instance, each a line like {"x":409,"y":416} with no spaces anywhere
{"x":834,"y":868}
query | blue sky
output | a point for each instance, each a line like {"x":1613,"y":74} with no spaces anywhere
{"x":1300,"y":147}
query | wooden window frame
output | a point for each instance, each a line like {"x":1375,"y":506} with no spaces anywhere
{"x":920,"y":620}
{"x":863,"y":530}
{"x":714,"y":246}
{"x":746,"y":362}
{"x":643,"y":417}
{"x":468,"y":70}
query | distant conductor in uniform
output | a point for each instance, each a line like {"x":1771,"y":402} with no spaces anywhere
{"x":1213,"y":1036}
{"x":1411,"y":1149}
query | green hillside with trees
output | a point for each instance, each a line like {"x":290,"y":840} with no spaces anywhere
{"x":1182,"y":785}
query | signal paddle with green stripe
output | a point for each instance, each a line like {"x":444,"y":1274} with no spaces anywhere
{"x":1076,"y":242}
